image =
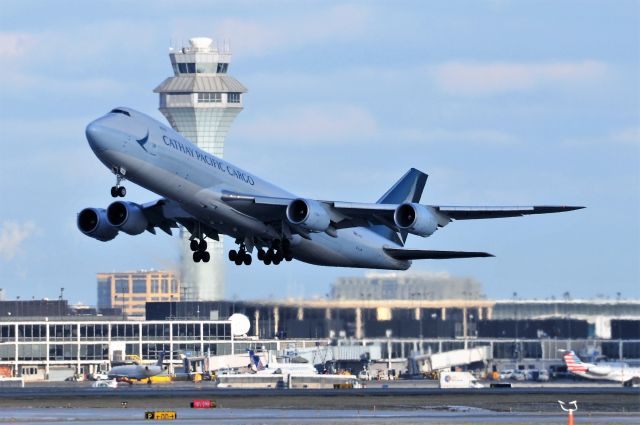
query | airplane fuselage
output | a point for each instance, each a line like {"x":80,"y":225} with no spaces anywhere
{"x":161,"y":160}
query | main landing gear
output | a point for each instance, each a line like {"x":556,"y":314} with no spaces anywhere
{"x":279,"y":250}
{"x":241,"y":256}
{"x":118,"y":190}
{"x":199,"y":248}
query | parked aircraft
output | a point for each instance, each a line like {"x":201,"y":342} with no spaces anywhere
{"x":138,"y":372}
{"x":210,"y":197}
{"x":610,"y":371}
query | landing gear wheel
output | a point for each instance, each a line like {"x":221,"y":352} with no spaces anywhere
{"x":122,"y":191}
{"x":260,"y":255}
{"x":238,"y":260}
{"x":193,"y":245}
{"x":197,"y":256}
{"x":247,"y":259}
{"x":202,"y":246}
{"x":288,"y":257}
{"x":205,"y":256}
{"x":232,"y":255}
{"x":114,"y":192}
{"x":278,"y":257}
{"x":267,"y":261}
{"x":276,"y":261}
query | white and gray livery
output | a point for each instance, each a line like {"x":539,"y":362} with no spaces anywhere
{"x":210,"y":197}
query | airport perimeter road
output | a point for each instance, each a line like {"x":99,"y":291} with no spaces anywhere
{"x":590,"y":399}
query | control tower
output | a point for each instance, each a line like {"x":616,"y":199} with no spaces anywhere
{"x":201,"y":101}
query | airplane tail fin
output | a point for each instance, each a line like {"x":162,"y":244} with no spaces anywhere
{"x":573,"y":362}
{"x":408,"y":189}
{"x":256,"y":362}
{"x":161,"y":359}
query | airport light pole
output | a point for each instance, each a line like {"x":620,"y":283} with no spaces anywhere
{"x":388,"y":333}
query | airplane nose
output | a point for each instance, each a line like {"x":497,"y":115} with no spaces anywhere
{"x":96,"y":136}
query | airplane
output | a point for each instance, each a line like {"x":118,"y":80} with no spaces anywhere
{"x":209,"y":197}
{"x":131,"y":372}
{"x":610,"y":371}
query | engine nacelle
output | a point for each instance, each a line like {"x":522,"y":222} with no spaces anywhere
{"x":416,"y":219}
{"x":93,"y":223}
{"x":308,"y":214}
{"x":128,"y":217}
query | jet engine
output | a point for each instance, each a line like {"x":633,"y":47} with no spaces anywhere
{"x":416,"y":219}
{"x":93,"y":222}
{"x":308,"y":214}
{"x":128,"y":217}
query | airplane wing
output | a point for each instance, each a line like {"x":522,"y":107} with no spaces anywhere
{"x":421,"y":254}
{"x":352,"y":214}
{"x":166,"y":214}
{"x":475,"y":213}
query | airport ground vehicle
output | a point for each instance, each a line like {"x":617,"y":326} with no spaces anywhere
{"x":458,"y":380}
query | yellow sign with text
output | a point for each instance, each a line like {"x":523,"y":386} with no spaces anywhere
{"x":160,"y":416}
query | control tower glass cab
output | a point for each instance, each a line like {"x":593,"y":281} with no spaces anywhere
{"x":201,"y":101}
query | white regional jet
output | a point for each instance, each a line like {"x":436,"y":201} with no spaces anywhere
{"x":209,"y":197}
{"x":138,"y":371}
{"x":619,"y":372}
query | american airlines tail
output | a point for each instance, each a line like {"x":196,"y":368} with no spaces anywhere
{"x":408,"y":189}
{"x":574,"y":364}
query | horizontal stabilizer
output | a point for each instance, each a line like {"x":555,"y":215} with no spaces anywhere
{"x":421,"y":254}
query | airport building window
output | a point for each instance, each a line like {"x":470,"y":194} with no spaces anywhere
{"x":186,"y":349}
{"x":62,"y":332}
{"x":205,"y":67}
{"x":216,"y":331}
{"x":139,"y":286}
{"x":63,"y":352}
{"x":94,"y":332}
{"x":174,"y":286}
{"x":122,"y":285}
{"x":122,"y":332}
{"x":155,"y":286}
{"x":155,"y":331}
{"x":7,"y":352}
{"x":152,"y":351}
{"x":187,"y":68}
{"x":222,"y":68}
{"x":32,"y":332}
{"x":233,"y":97}
{"x":209,"y":97}
{"x":186,"y":331}
{"x":165,"y":286}
{"x":31,"y":352}
{"x":7,"y":332}
{"x":94,"y":352}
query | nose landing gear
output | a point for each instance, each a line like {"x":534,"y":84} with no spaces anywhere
{"x":118,"y":190}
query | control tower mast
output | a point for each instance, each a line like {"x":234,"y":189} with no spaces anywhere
{"x":201,"y":101}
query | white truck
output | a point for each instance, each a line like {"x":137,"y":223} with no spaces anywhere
{"x":458,"y":380}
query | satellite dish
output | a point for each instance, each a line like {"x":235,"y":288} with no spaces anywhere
{"x":239,"y":324}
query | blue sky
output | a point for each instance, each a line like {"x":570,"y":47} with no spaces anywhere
{"x":500,"y":102}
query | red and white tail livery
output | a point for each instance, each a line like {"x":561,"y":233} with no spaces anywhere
{"x":609,"y":371}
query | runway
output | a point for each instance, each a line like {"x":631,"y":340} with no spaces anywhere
{"x":454,"y":415}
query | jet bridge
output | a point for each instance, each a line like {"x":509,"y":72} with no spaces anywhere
{"x":425,"y":363}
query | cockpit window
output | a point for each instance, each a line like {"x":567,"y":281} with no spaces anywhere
{"x":120,"y":111}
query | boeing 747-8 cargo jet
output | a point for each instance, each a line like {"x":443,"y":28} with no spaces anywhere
{"x":210,"y":197}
